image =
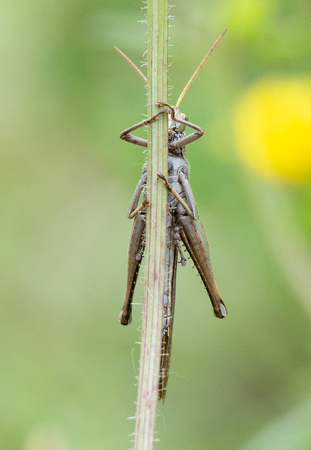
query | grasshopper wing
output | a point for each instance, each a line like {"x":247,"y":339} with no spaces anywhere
{"x":168,"y":313}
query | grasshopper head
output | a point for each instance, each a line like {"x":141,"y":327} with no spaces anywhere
{"x":174,"y":127}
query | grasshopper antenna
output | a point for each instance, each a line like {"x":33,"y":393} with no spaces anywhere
{"x":132,"y":64}
{"x":199,"y":68}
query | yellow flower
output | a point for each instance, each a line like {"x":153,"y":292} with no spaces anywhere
{"x":272,"y":122}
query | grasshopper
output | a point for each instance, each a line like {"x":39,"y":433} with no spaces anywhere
{"x":183,"y":223}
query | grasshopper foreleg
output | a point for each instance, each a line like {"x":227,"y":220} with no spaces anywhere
{"x":126,"y":136}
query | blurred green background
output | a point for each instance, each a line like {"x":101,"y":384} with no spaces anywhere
{"x":67,"y":376}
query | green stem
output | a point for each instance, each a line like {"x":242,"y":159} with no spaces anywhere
{"x":157,"y":66}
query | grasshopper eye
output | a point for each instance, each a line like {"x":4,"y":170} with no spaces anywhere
{"x":180,"y":127}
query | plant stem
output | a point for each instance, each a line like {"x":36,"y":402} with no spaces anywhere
{"x":157,"y":65}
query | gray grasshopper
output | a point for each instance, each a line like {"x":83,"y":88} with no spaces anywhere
{"x":183,"y":224}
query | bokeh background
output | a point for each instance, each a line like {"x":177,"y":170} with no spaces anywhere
{"x":67,"y":368}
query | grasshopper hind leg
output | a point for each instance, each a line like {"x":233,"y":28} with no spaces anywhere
{"x":136,"y":252}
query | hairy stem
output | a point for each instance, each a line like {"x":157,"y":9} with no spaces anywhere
{"x":155,"y":230}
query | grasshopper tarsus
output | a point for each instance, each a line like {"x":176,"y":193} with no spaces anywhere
{"x":125,"y":317}
{"x":220,"y":311}
{"x":170,"y":110}
{"x":162,"y":177}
